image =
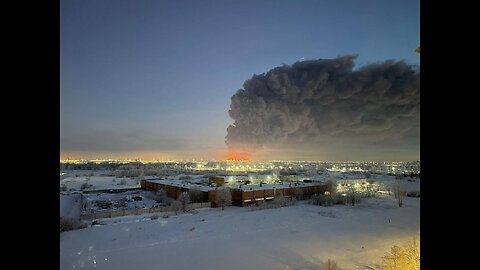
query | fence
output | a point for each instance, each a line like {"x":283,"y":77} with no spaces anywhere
{"x":139,"y":211}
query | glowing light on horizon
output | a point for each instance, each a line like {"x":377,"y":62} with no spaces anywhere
{"x":239,"y":155}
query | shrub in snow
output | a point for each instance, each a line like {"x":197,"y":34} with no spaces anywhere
{"x":154,"y":217}
{"x":320,"y":199}
{"x":317,"y":199}
{"x":160,"y":196}
{"x":68,"y":224}
{"x":352,"y":196}
{"x":280,"y":200}
{"x":123,"y":182}
{"x":176,"y":206}
{"x":368,"y":194}
{"x":328,"y":201}
{"x":338,"y":199}
{"x":293,"y":201}
{"x":223,"y":197}
{"x":263,"y":205}
{"x":297,"y":193}
{"x":63,"y":187}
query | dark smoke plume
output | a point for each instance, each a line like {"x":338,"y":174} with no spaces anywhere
{"x":321,"y":103}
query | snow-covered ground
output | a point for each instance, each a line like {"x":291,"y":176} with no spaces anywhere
{"x":73,"y":173}
{"x":296,"y":237}
{"x":127,"y":199}
{"x":97,"y":182}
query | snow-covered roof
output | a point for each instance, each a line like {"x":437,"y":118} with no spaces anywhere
{"x":176,"y":183}
{"x":243,"y":186}
{"x":277,"y":185}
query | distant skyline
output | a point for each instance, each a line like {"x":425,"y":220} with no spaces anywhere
{"x":154,"y":79}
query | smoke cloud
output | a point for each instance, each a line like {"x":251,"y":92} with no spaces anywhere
{"x":325,"y":104}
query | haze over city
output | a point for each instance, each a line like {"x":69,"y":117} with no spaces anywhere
{"x":160,"y":80}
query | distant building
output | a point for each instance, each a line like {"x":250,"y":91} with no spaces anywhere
{"x":242,"y":195}
{"x":360,"y":185}
{"x":219,"y":181}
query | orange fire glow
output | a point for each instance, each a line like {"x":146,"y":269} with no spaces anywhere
{"x":239,"y":155}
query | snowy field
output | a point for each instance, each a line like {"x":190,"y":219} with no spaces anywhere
{"x":121,"y":200}
{"x":296,"y":237}
{"x":74,"y":183}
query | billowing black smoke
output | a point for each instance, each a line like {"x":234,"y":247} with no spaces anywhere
{"x":323,"y":102}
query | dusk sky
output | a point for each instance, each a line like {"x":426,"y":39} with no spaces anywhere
{"x":154,"y":79}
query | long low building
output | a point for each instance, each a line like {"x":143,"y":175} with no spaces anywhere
{"x":242,"y":195}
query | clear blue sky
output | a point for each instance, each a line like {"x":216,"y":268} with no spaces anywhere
{"x":153,"y":79}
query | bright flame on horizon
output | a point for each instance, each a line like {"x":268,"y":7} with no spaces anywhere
{"x":239,"y":155}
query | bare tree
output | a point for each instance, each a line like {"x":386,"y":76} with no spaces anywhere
{"x":398,"y":192}
{"x":332,"y":186}
{"x":223,"y":197}
{"x":86,"y":205}
{"x":352,"y":195}
{"x":393,"y":260}
{"x":412,"y":254}
{"x":140,"y":178}
{"x":405,"y":257}
{"x":254,"y":199}
{"x":176,"y":206}
{"x":184,"y":198}
{"x":279,"y":200}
